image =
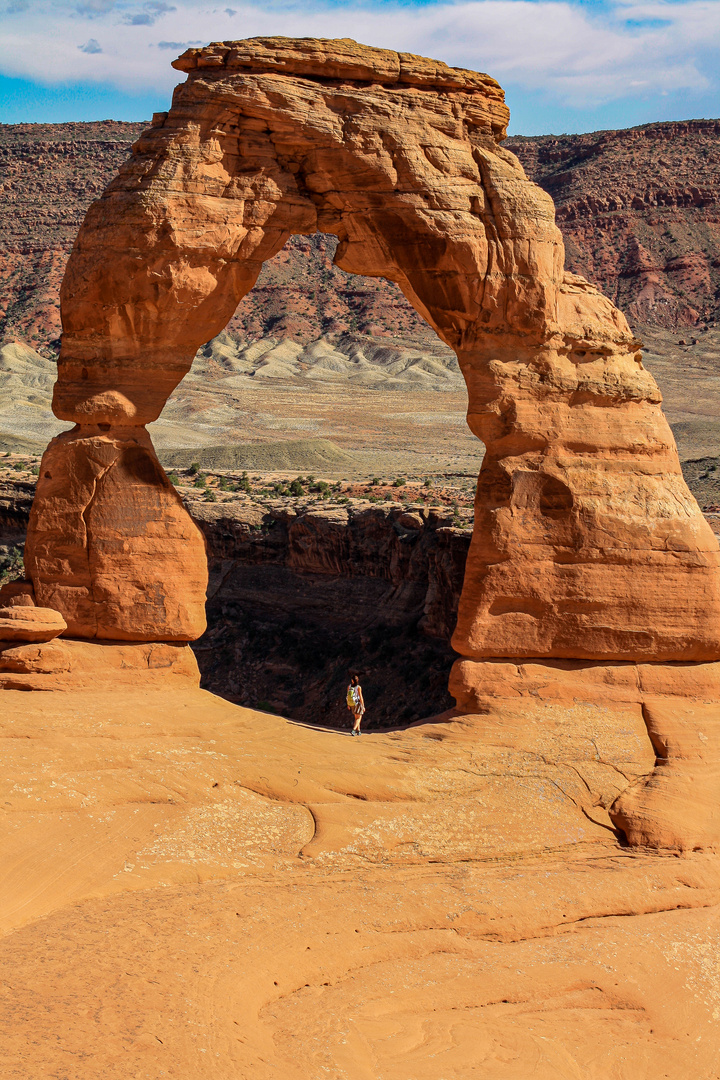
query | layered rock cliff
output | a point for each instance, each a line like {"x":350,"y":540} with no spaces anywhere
{"x":640,"y":214}
{"x":638,"y":209}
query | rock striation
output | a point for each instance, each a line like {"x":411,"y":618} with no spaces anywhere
{"x":587,"y":543}
{"x":639,"y":213}
{"x":110,"y":543}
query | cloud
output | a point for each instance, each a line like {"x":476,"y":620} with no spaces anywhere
{"x":575,"y":53}
{"x":91,"y":46}
{"x":152,"y":11}
{"x":93,"y":8}
{"x":177,"y":46}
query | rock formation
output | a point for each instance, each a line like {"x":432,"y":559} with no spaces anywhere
{"x":190,"y":888}
{"x":110,"y":543}
{"x":587,"y":543}
{"x":399,"y":157}
{"x":638,"y":211}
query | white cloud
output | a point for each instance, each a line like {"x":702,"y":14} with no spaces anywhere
{"x":578,"y":54}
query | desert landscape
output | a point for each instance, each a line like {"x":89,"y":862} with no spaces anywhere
{"x":514,"y":871}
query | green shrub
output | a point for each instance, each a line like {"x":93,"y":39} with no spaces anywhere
{"x":296,"y":487}
{"x":194,"y":469}
{"x":210,"y":496}
{"x":200,"y":481}
{"x":11,"y":564}
{"x":174,"y":478}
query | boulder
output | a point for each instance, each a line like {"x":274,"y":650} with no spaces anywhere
{"x":30,"y":624}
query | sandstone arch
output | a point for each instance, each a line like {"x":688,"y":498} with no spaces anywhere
{"x":587,"y":542}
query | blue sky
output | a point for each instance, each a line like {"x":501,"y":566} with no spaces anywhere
{"x":566,"y":65}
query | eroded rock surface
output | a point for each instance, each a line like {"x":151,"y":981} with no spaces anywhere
{"x":587,"y":542}
{"x":111,"y":545}
{"x":193,"y":888}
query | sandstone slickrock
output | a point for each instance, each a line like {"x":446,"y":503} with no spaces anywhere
{"x":191,"y":888}
{"x":69,"y":665}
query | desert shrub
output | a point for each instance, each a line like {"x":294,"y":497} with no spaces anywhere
{"x":174,"y":478}
{"x":296,"y":487}
{"x":194,"y":469}
{"x":200,"y":481}
{"x":210,"y":496}
{"x":11,"y":564}
{"x":400,"y":482}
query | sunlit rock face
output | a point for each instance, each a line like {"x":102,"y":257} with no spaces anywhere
{"x":587,"y":544}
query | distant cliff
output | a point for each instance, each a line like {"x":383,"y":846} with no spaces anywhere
{"x":639,"y":210}
{"x":640,"y":213}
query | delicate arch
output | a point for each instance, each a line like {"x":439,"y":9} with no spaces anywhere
{"x":587,"y":542}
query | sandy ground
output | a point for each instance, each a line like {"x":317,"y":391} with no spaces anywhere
{"x":190,"y":889}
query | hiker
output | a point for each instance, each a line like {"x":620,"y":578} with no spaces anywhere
{"x":355,"y":703}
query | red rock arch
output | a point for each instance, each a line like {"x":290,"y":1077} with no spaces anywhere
{"x":587,"y":542}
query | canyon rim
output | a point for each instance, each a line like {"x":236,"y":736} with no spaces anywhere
{"x":489,"y":857}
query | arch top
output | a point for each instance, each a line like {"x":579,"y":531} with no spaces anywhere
{"x":343,"y":59}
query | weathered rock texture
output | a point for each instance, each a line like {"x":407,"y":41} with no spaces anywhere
{"x":676,"y":805}
{"x":109,"y":542}
{"x":191,"y":889}
{"x":587,"y":541}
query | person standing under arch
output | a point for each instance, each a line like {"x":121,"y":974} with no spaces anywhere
{"x":356,"y":703}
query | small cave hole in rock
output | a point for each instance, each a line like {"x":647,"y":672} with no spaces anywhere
{"x":330,"y":467}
